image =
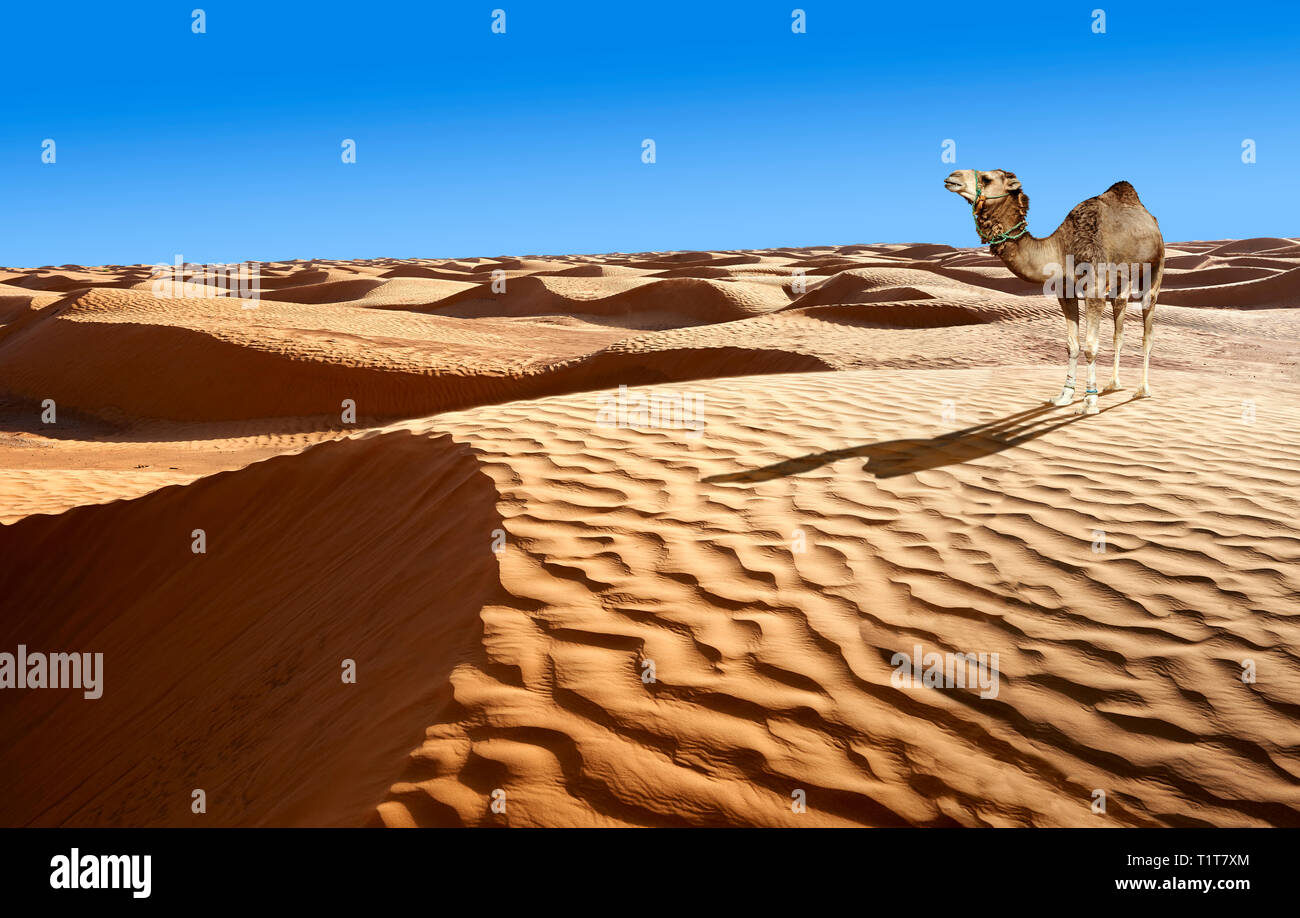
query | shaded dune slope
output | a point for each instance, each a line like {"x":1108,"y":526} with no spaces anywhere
{"x":223,"y":670}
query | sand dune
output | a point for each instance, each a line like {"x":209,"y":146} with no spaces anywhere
{"x":869,"y":467}
{"x":639,"y":302}
{"x":1236,"y":290}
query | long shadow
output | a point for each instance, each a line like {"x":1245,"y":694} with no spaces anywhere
{"x":891,"y":458}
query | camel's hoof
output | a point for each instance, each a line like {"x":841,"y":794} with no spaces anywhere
{"x":1063,"y":399}
{"x":1113,"y":387}
{"x":1089,"y":406}
{"x":1144,"y":392}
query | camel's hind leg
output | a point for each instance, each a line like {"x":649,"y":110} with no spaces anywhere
{"x":1120,"y":306}
{"x":1093,"y":310}
{"x":1148,"y":328}
{"x":1070,"y":306}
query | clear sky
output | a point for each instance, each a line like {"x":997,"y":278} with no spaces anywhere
{"x":225,"y":146}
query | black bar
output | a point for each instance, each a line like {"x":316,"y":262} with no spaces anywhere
{"x":632,"y":869}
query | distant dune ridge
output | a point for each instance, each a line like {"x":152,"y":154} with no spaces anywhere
{"x":558,"y":621}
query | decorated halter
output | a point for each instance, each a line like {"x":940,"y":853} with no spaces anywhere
{"x":1004,"y":236}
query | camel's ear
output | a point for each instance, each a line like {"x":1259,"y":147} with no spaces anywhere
{"x":1013,"y":183}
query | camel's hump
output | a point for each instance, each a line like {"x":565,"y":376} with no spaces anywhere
{"x":1124,"y":193}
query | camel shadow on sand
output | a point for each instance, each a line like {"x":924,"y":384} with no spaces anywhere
{"x":891,"y":458}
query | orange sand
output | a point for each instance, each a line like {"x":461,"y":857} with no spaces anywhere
{"x":875,"y":470}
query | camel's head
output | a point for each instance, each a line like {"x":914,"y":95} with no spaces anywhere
{"x":998,"y":202}
{"x":992,"y":185}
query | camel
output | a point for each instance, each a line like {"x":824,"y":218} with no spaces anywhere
{"x":1112,"y":234}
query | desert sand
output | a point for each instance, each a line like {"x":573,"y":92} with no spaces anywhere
{"x":872,"y":468}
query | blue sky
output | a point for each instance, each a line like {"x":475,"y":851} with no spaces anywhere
{"x":225,"y":146}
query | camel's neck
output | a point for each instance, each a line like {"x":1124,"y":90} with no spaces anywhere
{"x":1028,"y":258}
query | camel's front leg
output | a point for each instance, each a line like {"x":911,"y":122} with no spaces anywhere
{"x":1071,"y":308}
{"x":1093,"y":310}
{"x":1120,"y":307}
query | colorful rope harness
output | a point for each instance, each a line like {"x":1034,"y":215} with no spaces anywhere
{"x":1005,"y":235}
